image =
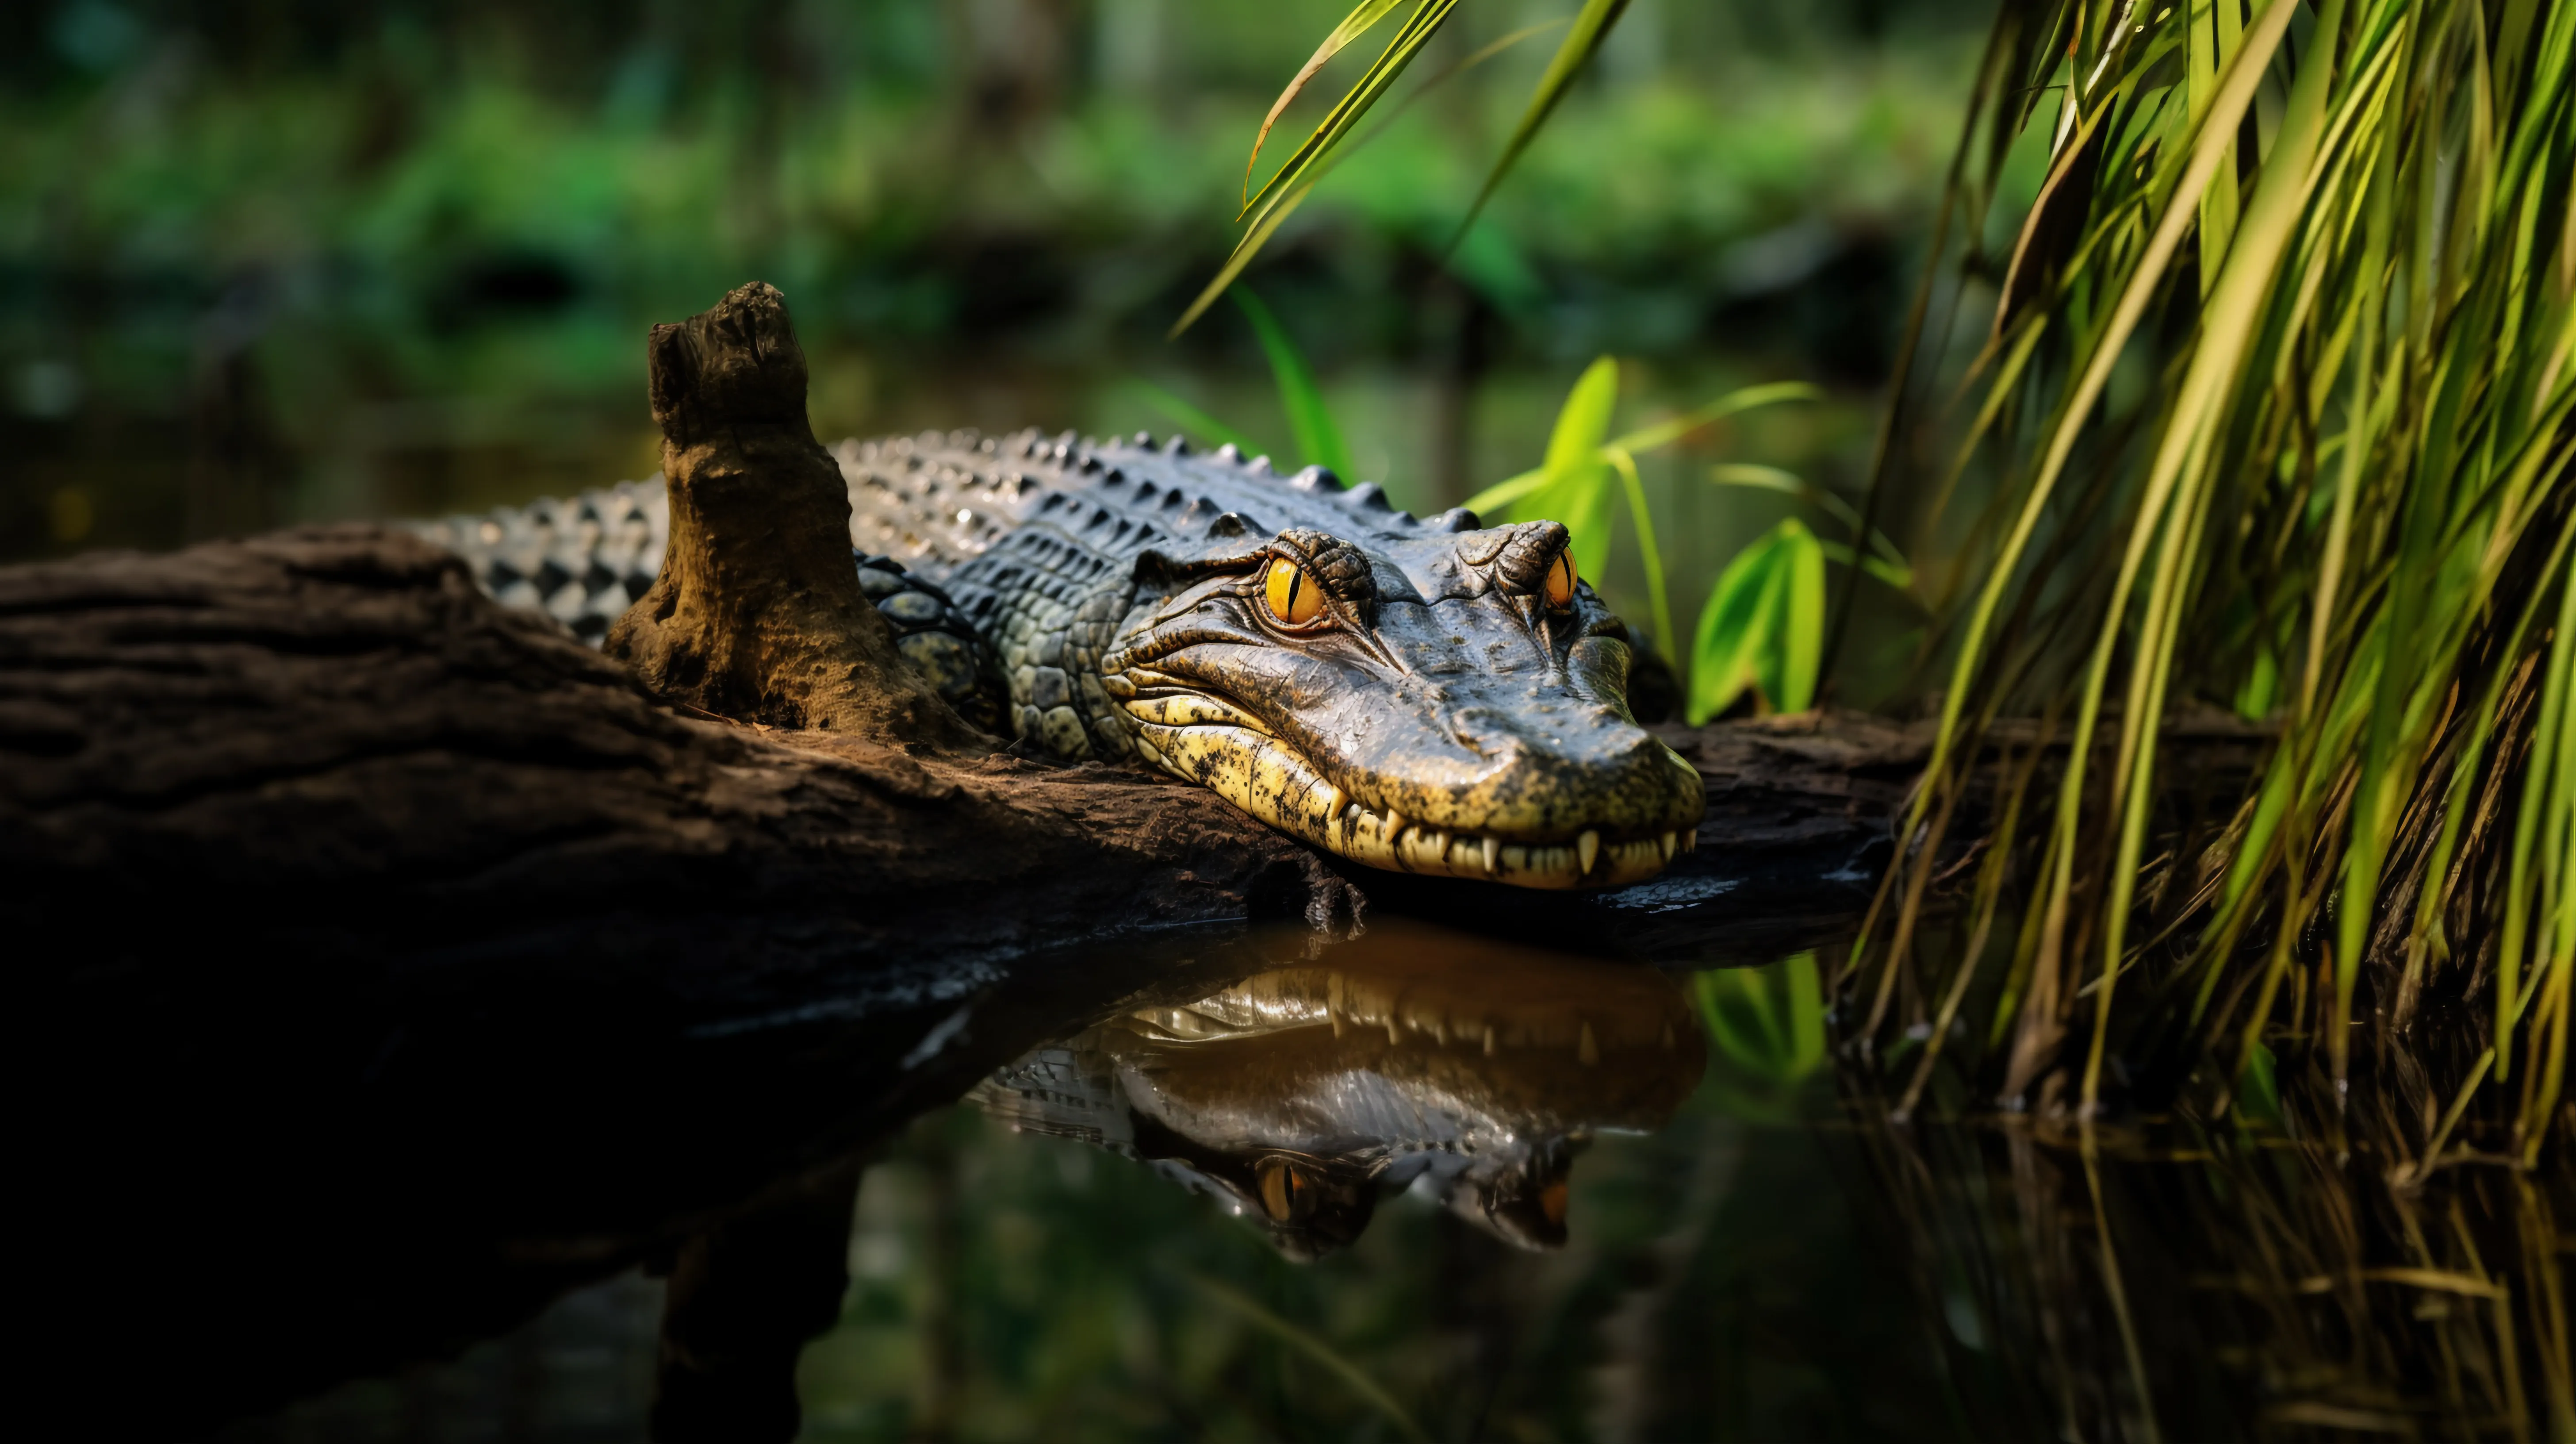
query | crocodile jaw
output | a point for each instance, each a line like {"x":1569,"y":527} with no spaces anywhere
{"x":1268,"y":779}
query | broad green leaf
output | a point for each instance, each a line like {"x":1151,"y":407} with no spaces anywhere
{"x":2258,"y":1095}
{"x":1769,"y":1021}
{"x":1319,"y":441}
{"x":1763,"y":626}
{"x":1735,"y":628}
{"x":1574,"y":482}
{"x":1583,"y":500}
{"x":1583,"y":423}
{"x":2262,"y":686}
{"x":1591,"y":26}
{"x":1651,"y":438}
{"x":1723,"y":1000}
{"x":1788,"y":667}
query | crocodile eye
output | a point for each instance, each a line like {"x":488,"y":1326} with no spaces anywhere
{"x":1293,"y":597}
{"x":1560,"y":580}
{"x":1287,"y":1194}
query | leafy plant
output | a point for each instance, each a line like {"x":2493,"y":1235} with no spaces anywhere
{"x":1763,"y":627}
{"x":1763,"y":624}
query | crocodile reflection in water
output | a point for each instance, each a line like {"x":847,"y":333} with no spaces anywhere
{"x":1302,"y":1094}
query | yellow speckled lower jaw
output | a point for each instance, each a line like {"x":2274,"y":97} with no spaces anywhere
{"x":1266,"y":778}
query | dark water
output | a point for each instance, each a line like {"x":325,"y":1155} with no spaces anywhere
{"x":1435,"y":1184}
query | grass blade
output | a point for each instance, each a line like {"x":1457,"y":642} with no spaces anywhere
{"x":1647,"y":547}
{"x":1172,"y":407}
{"x":1244,"y":250}
{"x":1792,"y":680}
{"x":1310,"y":421}
{"x":1591,"y":26}
{"x":1665,"y":433}
{"x":1425,"y":21}
{"x":1362,"y":18}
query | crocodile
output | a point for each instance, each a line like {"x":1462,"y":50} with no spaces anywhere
{"x":1428,"y":695}
{"x":1297,"y":1097}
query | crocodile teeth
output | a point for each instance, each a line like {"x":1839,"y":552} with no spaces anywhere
{"x":1690,"y":839}
{"x":1196,"y":740}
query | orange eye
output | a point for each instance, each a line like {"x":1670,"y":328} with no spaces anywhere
{"x":1294,"y":598}
{"x":1560,"y":581}
{"x":1287,"y":1194}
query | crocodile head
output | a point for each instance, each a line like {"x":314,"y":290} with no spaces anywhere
{"x":1453,"y":703}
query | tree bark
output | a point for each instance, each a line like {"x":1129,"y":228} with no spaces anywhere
{"x":757,"y":612}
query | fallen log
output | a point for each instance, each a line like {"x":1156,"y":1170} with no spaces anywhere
{"x":400,"y":962}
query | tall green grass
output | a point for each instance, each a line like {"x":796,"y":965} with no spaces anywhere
{"x":2267,"y":404}
{"x":2330,"y":250}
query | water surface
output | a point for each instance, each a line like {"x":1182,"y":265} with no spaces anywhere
{"x":1435,"y":1184}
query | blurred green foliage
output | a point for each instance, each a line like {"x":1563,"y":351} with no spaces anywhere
{"x":268,"y":264}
